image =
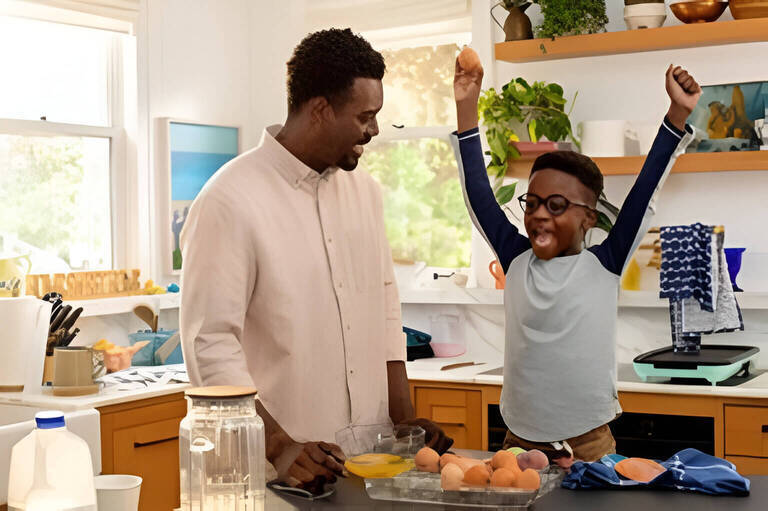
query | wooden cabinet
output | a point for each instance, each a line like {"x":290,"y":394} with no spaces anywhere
{"x":142,"y":438}
{"x":740,"y":425}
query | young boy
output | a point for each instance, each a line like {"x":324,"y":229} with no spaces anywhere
{"x":559,"y":388}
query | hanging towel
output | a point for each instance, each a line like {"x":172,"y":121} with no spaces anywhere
{"x":688,"y":470}
{"x":727,"y":314}
{"x":686,"y":264}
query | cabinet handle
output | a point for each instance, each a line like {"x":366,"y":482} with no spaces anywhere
{"x":154,"y":442}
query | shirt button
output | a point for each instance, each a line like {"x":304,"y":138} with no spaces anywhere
{"x":330,"y":240}
{"x":351,"y":371}
{"x":349,"y":327}
{"x":340,"y":285}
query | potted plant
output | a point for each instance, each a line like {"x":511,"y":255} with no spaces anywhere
{"x":517,"y":25}
{"x":538,"y":112}
{"x":571,"y":17}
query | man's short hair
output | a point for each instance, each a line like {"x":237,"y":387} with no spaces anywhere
{"x":326,"y":64}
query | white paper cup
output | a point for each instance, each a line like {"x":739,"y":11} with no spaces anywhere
{"x":117,"y":492}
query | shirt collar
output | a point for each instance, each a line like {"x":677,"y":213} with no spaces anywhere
{"x":293,"y":170}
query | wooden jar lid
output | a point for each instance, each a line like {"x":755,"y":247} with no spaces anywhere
{"x":221,"y":392}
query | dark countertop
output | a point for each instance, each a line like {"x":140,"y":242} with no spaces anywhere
{"x":350,"y":494}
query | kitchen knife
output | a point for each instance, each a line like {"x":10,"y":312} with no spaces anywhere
{"x":60,"y":317}
{"x":460,"y":364}
{"x":54,"y":317}
{"x":71,"y":337}
{"x":70,"y":321}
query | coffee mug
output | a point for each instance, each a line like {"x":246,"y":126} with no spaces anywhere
{"x":72,"y":366}
{"x":117,"y":492}
{"x":604,"y":138}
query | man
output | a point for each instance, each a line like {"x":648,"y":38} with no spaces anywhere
{"x":288,"y":282}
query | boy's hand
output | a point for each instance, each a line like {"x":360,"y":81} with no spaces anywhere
{"x":684,"y":92}
{"x":466,"y":90}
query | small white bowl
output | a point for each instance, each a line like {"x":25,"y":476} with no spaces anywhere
{"x":650,"y":9}
{"x":636,"y":22}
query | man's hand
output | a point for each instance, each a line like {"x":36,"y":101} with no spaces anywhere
{"x":466,"y":90}
{"x":306,"y":465}
{"x":684,"y":92}
{"x":434,"y":436}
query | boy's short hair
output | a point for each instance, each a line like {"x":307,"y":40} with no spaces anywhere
{"x":578,"y":165}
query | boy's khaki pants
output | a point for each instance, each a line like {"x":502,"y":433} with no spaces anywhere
{"x":591,"y":446}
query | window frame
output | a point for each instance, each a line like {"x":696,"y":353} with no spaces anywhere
{"x":115,"y":133}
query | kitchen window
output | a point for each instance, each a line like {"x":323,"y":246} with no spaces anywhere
{"x":62,"y":144}
{"x":413,"y":160}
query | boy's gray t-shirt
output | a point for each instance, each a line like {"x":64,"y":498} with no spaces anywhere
{"x":560,"y":346}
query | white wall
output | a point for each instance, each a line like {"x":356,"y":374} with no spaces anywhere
{"x":209,"y":61}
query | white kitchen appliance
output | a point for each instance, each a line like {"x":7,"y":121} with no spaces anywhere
{"x":24,"y":324}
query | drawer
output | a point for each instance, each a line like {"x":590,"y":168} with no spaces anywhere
{"x":749,"y":466}
{"x":457,"y":411}
{"x":746,"y":431}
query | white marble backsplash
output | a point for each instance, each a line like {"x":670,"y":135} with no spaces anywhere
{"x":639,"y":329}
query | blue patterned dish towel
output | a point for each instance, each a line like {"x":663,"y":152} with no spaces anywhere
{"x":694,"y":277}
{"x":688,"y":470}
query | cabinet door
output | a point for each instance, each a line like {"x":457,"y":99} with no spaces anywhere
{"x":746,"y":431}
{"x":152,"y":452}
{"x":142,"y":438}
{"x":457,"y":411}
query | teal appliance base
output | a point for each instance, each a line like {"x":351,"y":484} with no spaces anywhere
{"x":714,"y":363}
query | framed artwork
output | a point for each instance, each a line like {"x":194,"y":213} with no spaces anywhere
{"x":726,"y":116}
{"x":189,"y":154}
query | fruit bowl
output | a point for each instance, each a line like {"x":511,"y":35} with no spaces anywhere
{"x":698,"y":11}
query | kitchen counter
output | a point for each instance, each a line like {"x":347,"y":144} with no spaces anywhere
{"x":46,"y":399}
{"x":428,"y":369}
{"x":350,"y":494}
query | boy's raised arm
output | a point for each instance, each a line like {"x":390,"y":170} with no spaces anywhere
{"x":639,"y":207}
{"x":486,"y":214}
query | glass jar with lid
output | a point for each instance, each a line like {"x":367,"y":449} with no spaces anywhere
{"x":222,"y":451}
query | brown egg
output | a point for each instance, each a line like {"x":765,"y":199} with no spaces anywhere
{"x":503,"y":478}
{"x":537,"y":460}
{"x":477,"y":476}
{"x":469,"y":60}
{"x":447,"y":458}
{"x":467,"y":463}
{"x":504,"y":459}
{"x":427,"y":460}
{"x":451,"y":477}
{"x":528,"y":480}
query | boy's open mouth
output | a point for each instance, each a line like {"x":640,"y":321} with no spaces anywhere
{"x":542,"y":238}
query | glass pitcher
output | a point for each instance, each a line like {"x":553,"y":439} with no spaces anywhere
{"x":221,"y":451}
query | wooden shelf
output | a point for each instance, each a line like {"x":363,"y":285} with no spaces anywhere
{"x":633,"y":41}
{"x":691,"y":162}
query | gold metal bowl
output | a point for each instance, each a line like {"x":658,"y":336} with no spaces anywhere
{"x":698,"y":11}
{"x":742,"y":9}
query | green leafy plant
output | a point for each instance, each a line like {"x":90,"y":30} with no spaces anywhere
{"x":537,"y":108}
{"x":540,"y":110}
{"x":570,"y":17}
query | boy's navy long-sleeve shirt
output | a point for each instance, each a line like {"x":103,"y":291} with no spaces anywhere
{"x":560,"y":357}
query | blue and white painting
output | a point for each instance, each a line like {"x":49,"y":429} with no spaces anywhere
{"x":197,"y":152}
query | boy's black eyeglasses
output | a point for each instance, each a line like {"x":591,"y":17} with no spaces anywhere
{"x":556,"y":204}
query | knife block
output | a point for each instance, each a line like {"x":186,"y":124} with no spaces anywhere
{"x":48,"y":370}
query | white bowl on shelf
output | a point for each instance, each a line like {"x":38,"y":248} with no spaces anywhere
{"x":645,"y":15}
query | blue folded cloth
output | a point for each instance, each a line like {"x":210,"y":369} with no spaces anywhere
{"x":689,"y":470}
{"x":686,"y":264}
